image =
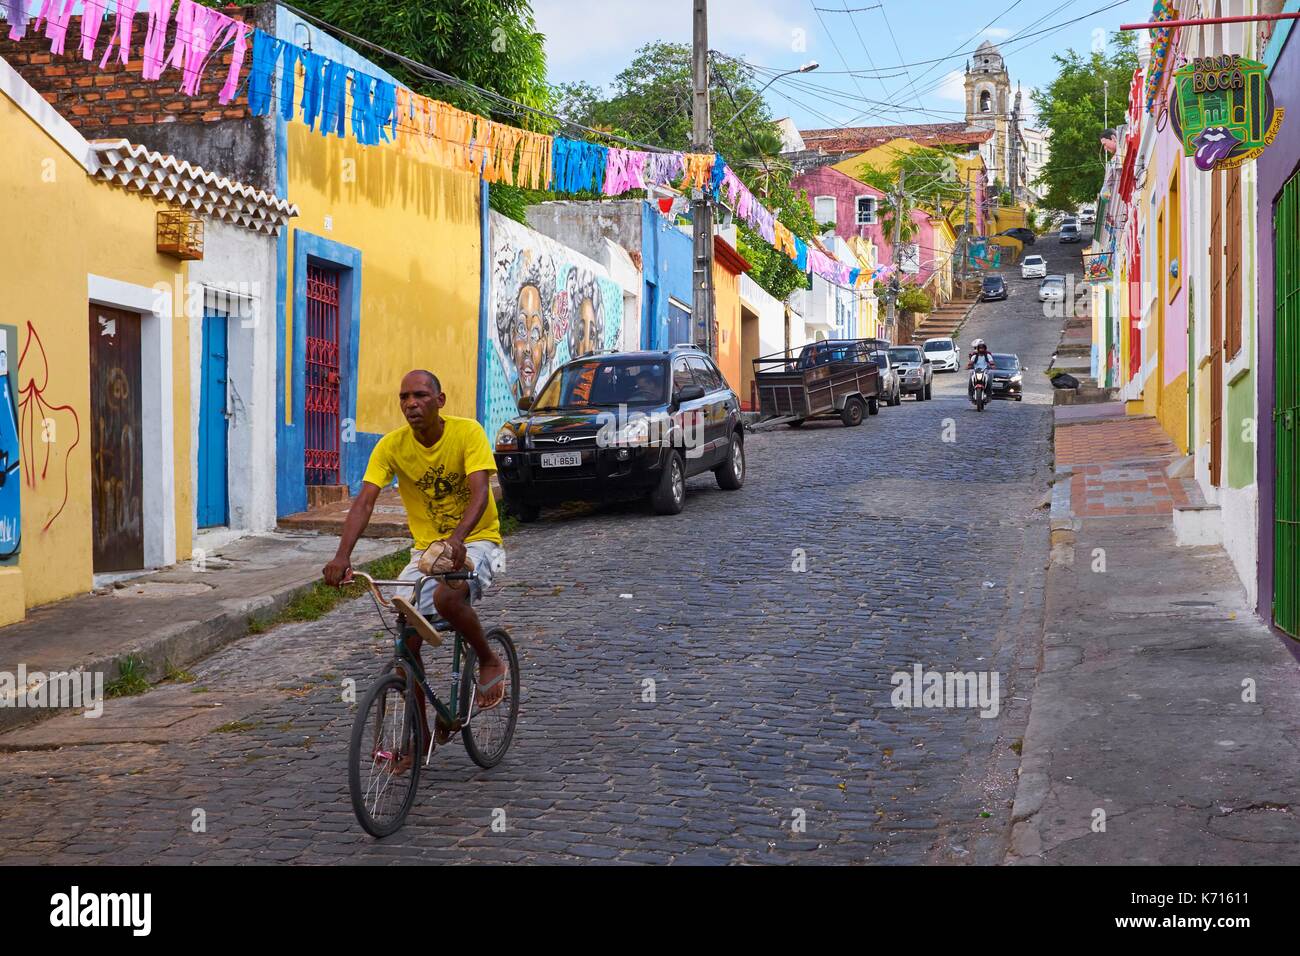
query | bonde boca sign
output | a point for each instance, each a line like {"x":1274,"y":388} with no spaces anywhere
{"x":1223,"y":110}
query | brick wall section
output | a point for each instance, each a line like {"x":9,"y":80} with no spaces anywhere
{"x":100,"y":102}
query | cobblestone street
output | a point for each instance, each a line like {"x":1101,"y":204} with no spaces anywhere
{"x":771,"y":703}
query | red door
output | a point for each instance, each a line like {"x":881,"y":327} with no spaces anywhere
{"x":322,"y":378}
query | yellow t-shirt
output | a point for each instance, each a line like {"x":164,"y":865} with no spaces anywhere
{"x":434,"y":481}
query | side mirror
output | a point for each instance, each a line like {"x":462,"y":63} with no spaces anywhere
{"x":688,"y":393}
{"x":927,"y":361}
{"x":525,"y":402}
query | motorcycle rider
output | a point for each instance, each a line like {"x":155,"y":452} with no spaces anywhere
{"x":980,"y":358}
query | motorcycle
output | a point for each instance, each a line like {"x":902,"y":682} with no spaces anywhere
{"x":981,"y":384}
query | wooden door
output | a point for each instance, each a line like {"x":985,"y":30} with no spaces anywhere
{"x":116,"y":433}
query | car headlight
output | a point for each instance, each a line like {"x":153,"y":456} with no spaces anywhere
{"x":507,"y":440}
{"x":1015,"y":379}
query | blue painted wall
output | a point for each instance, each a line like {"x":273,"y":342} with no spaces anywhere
{"x":666,"y":259}
{"x":291,"y":488}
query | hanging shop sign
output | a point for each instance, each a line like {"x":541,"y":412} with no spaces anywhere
{"x":1223,"y":111}
{"x":1097,"y":266}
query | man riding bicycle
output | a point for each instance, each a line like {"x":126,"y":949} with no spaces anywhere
{"x":442,"y":464}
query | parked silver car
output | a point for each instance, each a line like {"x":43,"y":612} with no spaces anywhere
{"x":891,"y":392}
{"x":1052,"y":289}
{"x":915,"y":371}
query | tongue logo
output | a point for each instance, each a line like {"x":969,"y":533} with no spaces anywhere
{"x":1213,"y":144}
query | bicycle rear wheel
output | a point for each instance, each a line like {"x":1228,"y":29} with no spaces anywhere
{"x":385,"y":756}
{"x":488,"y":734}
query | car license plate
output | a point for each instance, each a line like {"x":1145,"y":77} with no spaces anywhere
{"x":999,"y":384}
{"x":562,"y":459}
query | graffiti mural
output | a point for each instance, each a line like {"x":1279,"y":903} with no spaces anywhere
{"x":984,"y":254}
{"x":548,"y":304}
{"x":37,"y":421}
{"x":11,"y":486}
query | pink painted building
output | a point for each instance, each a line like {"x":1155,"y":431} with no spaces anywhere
{"x":854,"y":207}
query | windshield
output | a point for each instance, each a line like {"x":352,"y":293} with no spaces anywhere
{"x":943,"y":345}
{"x":823,"y":353}
{"x":605,"y":384}
{"x":881,"y":359}
{"x":1033,"y":260}
{"x":1053,"y":280}
{"x":1006,"y":361}
{"x":905,"y":355}
{"x":992,"y":283}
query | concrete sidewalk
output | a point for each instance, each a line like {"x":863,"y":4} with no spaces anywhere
{"x":171,"y":617}
{"x":1165,"y":723}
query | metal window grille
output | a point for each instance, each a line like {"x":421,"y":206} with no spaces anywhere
{"x":322,"y":378}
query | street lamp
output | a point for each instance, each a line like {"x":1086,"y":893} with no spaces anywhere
{"x":806,"y":68}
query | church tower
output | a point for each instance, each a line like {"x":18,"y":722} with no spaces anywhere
{"x":988,"y":106}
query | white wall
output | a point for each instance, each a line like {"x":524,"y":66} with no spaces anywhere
{"x":240,"y":261}
{"x":624,"y":271}
{"x":771,"y":316}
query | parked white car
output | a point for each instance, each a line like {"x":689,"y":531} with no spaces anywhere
{"x":1087,"y":215}
{"x":942,"y":353}
{"x":1052,"y":289}
{"x":1033,"y":267}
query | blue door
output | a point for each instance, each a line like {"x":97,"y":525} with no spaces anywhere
{"x":214,"y":499}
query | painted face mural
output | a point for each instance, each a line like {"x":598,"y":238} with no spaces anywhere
{"x":587,"y":314}
{"x":531,"y":342}
{"x":548,"y":304}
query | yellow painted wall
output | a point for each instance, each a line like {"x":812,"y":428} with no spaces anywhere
{"x":77,"y":226}
{"x":1173,"y":411}
{"x":726,"y":306}
{"x":417,"y":225}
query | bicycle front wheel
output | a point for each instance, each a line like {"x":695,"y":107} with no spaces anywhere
{"x":385,"y":756}
{"x":488,"y":734}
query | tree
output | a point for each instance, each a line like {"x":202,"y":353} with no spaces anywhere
{"x":651,"y":102}
{"x":930,"y":182}
{"x":492,"y":44}
{"x":1072,"y":107}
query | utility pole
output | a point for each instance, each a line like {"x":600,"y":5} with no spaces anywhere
{"x":965,"y":241}
{"x":701,"y":208}
{"x":897,"y":241}
{"x":1105,"y":99}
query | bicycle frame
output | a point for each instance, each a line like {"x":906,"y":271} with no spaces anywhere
{"x":412,"y":660}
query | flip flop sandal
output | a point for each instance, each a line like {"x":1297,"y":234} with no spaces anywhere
{"x":488,"y":686}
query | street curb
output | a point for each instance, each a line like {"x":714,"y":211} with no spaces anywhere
{"x":176,"y":645}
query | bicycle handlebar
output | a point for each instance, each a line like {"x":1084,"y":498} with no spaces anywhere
{"x":374,"y":585}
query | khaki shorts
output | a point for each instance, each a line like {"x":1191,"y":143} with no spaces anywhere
{"x":489,"y":560}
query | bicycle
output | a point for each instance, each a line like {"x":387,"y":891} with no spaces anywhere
{"x":387,"y":747}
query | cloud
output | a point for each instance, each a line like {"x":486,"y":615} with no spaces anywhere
{"x":952,"y":87}
{"x":997,"y":33}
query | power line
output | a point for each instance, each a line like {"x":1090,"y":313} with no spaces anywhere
{"x":429,"y":72}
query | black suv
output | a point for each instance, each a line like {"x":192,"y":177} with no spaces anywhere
{"x":619,"y":425}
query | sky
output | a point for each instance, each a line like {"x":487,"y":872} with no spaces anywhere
{"x":593,"y":40}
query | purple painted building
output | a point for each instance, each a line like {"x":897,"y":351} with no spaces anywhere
{"x":1278,"y":166}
